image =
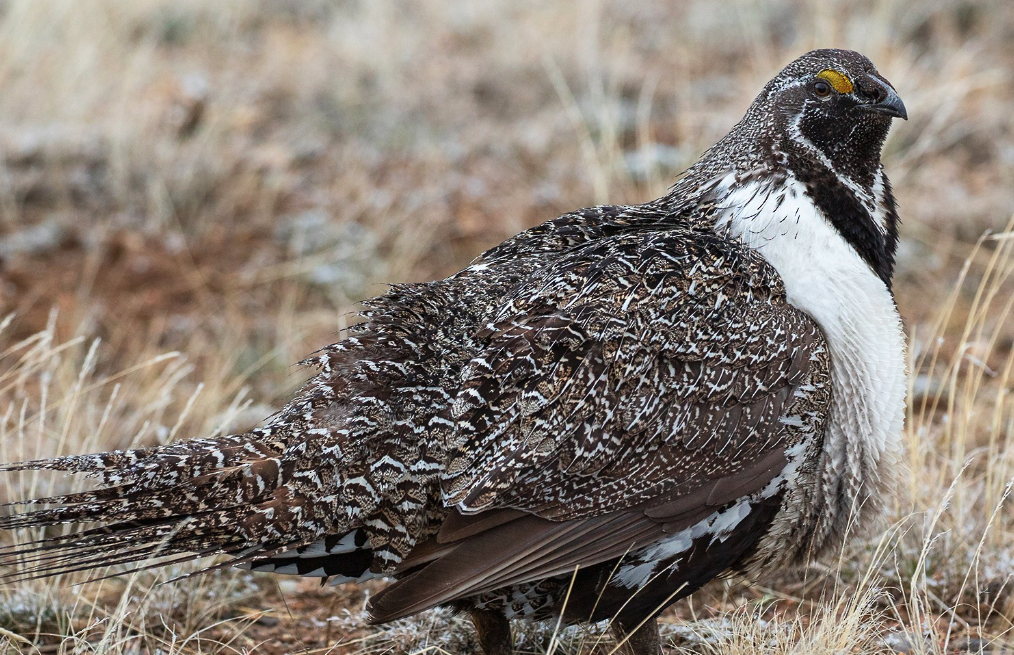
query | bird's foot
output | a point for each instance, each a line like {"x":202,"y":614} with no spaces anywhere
{"x":634,"y":640}
{"x":494,"y":632}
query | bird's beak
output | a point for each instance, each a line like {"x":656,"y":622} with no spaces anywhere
{"x":886,"y":100}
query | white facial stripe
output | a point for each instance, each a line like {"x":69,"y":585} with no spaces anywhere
{"x":879,"y":211}
{"x":787,"y":84}
{"x":869,"y":200}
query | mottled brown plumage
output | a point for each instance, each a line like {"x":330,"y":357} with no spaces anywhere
{"x":625,"y":402}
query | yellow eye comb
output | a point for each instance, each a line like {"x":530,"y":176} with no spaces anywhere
{"x":840,"y":83}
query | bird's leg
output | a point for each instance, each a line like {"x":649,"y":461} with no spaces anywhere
{"x":639,"y":641}
{"x":494,"y":632}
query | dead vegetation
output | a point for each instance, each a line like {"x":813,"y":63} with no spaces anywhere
{"x":194,"y":195}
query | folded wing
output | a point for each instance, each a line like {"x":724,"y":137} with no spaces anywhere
{"x":634,"y":389}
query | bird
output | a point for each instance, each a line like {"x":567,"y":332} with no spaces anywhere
{"x":589,"y":422}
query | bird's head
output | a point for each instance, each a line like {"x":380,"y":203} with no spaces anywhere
{"x":821,"y":122}
{"x":831,"y":106}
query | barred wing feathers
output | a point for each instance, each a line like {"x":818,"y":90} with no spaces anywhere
{"x":625,"y":392}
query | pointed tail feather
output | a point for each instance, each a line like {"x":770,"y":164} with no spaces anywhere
{"x":206,"y":497}
{"x":160,"y":466}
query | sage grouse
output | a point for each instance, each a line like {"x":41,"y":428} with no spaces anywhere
{"x":593,"y":419}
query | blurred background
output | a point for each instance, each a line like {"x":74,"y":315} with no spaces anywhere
{"x":194,"y":195}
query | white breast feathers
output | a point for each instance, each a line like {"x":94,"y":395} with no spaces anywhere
{"x":826,"y":278}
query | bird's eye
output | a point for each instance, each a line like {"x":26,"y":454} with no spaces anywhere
{"x":822,"y":88}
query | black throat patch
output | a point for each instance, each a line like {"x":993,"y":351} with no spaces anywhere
{"x":852,"y":219}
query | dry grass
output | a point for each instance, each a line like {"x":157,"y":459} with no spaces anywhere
{"x":193,"y":195}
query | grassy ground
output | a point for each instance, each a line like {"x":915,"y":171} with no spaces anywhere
{"x":193,"y":195}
